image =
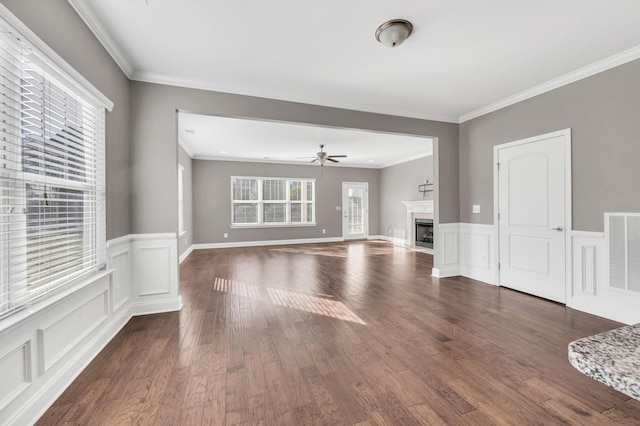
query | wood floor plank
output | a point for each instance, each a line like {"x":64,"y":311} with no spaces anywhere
{"x":276,"y":384}
{"x":329,"y":411}
{"x":215,"y":400}
{"x":354,"y":333}
{"x":237,"y":399}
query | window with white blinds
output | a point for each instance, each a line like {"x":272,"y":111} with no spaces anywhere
{"x":257,"y":201}
{"x":52,"y":224}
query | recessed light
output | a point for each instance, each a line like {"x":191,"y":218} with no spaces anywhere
{"x":371,"y":161}
{"x":223,"y":152}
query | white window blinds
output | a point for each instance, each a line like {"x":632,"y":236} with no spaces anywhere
{"x":52,"y":225}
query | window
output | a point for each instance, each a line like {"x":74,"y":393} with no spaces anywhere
{"x":180,"y":198}
{"x":272,"y":201}
{"x":52,"y":226}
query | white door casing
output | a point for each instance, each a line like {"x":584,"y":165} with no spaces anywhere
{"x":533,"y":213}
{"x":355,"y":210}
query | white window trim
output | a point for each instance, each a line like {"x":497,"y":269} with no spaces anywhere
{"x":181,"y":229}
{"x":260,"y":202}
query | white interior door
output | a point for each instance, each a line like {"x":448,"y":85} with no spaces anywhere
{"x":532,"y":215}
{"x":355,"y":210}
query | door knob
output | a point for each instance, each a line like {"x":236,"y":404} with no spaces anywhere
{"x":559,"y":229}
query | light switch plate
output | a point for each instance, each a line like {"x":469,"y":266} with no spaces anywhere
{"x":476,"y":208}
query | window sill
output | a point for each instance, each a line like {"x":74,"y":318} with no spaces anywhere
{"x":276,"y":225}
{"x":182,"y":233}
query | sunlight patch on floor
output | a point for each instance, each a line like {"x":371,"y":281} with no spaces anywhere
{"x":300,"y":301}
{"x":236,"y":287}
{"x":313,"y":304}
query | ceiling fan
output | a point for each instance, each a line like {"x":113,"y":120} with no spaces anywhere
{"x":322,"y":157}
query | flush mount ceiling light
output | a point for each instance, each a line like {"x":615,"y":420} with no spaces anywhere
{"x":392,"y":33}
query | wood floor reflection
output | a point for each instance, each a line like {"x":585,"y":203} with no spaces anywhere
{"x":345,"y":333}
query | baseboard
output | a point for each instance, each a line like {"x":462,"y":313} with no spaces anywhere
{"x":400,"y":242}
{"x":185,"y":254}
{"x":156,"y":307}
{"x":378,"y":237}
{"x":267,"y":243}
{"x":51,"y":391}
{"x":446,"y":271}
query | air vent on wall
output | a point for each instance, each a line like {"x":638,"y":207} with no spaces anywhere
{"x":624,"y":251}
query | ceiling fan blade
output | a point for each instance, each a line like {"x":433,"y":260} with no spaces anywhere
{"x":332,"y":160}
{"x":314,"y":160}
{"x":304,"y":158}
{"x":337,"y":156}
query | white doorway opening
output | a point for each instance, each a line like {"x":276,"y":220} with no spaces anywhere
{"x":355,"y":210}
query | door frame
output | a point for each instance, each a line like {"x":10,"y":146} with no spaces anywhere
{"x":366,"y":208}
{"x":568,"y":249}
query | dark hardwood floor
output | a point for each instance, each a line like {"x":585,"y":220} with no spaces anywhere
{"x":349,"y":333}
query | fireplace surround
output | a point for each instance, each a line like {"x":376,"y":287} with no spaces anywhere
{"x":419,"y":209}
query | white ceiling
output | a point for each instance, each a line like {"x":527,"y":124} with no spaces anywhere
{"x":465,"y":57}
{"x":221,"y":138}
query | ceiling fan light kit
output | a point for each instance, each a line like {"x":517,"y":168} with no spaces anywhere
{"x":322,"y":157}
{"x":392,"y":33}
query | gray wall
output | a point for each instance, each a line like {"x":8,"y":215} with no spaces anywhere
{"x":154,"y":135}
{"x":184,"y":241}
{"x":212,"y":200}
{"x":58,"y":25}
{"x":400,"y":183}
{"x":602,"y":112}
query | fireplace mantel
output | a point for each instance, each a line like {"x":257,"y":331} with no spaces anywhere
{"x":419,"y":206}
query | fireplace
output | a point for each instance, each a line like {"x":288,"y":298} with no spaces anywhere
{"x":424,"y":232}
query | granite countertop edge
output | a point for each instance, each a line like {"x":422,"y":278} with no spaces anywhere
{"x":612,"y":358}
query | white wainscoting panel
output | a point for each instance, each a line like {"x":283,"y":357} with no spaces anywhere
{"x":590,"y":290}
{"x":450,"y":240}
{"x":119,"y":260}
{"x":15,"y":365}
{"x":154,"y":270}
{"x":61,"y":335}
{"x":155,"y":263}
{"x":589,"y":269}
{"x":449,"y":236}
{"x":478,"y":252}
{"x":50,"y":343}
{"x":44,"y":348}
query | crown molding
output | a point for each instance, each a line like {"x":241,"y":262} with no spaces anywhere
{"x":579,"y":74}
{"x":88,"y":15}
{"x":169,"y":80}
